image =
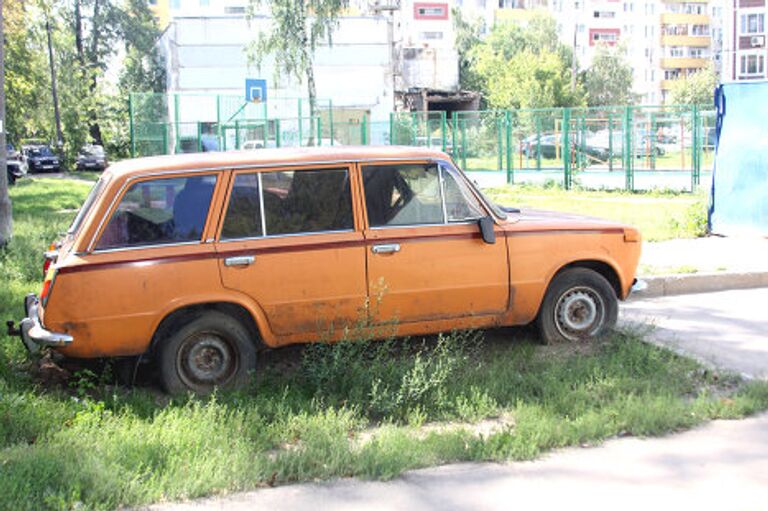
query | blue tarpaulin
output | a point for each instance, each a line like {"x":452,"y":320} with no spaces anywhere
{"x":739,"y":196}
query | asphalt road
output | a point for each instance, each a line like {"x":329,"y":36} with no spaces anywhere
{"x":723,"y":465}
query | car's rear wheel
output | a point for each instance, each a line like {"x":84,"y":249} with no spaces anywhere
{"x":579,"y":305}
{"x":214,"y":350}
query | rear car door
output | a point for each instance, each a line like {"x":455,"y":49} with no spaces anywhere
{"x":289,"y":241}
{"x":426,"y":257}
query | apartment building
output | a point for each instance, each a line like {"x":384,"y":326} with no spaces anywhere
{"x":744,"y":41}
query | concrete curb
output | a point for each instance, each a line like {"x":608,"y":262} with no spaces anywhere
{"x":682,"y":284}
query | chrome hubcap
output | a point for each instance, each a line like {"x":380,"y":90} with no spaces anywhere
{"x":579,"y":313}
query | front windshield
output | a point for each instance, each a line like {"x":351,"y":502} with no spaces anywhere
{"x":41,"y":151}
{"x":93,"y":150}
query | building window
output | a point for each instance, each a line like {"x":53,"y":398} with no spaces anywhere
{"x":605,"y":35}
{"x":604,"y":14}
{"x":431,"y":36}
{"x":696,"y":53}
{"x":700,"y":30}
{"x":234,"y":10}
{"x":425,"y":11}
{"x":752,"y":64}
{"x":675,"y":51}
{"x":752,"y":23}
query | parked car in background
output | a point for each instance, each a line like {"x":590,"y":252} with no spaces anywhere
{"x":15,"y":165}
{"x":197,"y":261}
{"x":91,"y":157}
{"x":41,"y":158}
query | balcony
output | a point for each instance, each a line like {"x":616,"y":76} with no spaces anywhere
{"x":685,"y":40}
{"x":674,"y":18}
{"x":667,"y":84}
{"x":683,"y":63}
{"x":685,"y":1}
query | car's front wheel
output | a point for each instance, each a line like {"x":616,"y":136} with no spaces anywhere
{"x":211,"y":351}
{"x":579,"y":304}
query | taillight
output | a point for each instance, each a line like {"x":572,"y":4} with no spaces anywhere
{"x":49,"y":258}
{"x":50,"y":277}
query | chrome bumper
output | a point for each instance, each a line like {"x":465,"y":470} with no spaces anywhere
{"x":33,"y":335}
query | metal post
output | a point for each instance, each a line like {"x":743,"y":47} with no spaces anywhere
{"x":510,"y":174}
{"x":566,"y":148}
{"x":176,"y":123}
{"x":131,"y":125}
{"x":695,"y":147}
{"x":199,"y":137}
{"x":463,"y":127}
{"x":654,"y":140}
{"x":237,"y":134}
{"x":499,"y":144}
{"x":443,"y":127}
{"x":391,"y":128}
{"x":610,"y":142}
{"x":627,"y":150}
{"x":277,"y":133}
{"x":218,"y":120}
{"x":319,"y":132}
{"x":538,"y":144}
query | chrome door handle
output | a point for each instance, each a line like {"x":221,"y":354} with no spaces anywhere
{"x":389,"y":248}
{"x":239,"y":261}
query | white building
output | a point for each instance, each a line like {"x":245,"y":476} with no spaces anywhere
{"x":744,"y":51}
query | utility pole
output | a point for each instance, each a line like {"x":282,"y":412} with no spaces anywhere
{"x":6,"y":219}
{"x":54,"y":91}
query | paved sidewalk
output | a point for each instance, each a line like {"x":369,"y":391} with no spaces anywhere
{"x":721,"y":466}
{"x":728,"y":329}
{"x":710,"y":254}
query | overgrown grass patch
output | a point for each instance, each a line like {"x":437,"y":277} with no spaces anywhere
{"x":363,"y":409}
{"x":658,"y":215}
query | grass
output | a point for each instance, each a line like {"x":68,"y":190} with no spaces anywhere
{"x":363,"y":409}
{"x":658,"y":215}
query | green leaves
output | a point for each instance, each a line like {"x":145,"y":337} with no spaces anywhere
{"x":526,"y":67}
{"x":609,"y":79}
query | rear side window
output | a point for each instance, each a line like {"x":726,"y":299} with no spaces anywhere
{"x":290,"y":202}
{"x":160,"y":211}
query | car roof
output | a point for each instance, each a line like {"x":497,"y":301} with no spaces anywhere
{"x":283,"y":156}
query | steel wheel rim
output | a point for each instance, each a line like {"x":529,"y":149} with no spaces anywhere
{"x":206,"y":359}
{"x":579,"y":313}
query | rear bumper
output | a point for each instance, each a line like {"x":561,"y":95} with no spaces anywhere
{"x":31,"y":330}
{"x":638,"y":286}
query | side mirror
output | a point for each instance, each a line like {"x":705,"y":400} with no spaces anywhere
{"x":486,"y":229}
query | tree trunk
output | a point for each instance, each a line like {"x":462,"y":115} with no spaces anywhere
{"x":95,"y":129}
{"x":79,"y":35}
{"x":54,"y":90}
{"x":6,"y":217}
{"x":312,"y":96}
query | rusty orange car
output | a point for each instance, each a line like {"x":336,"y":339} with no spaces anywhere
{"x":199,"y":261}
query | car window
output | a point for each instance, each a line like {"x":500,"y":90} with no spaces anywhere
{"x":402,"y":195}
{"x":302,"y":201}
{"x":243,"y":217}
{"x":160,"y":211}
{"x":460,"y":204}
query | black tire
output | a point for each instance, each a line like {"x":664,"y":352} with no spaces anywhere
{"x":213,"y":350}
{"x":579,"y":305}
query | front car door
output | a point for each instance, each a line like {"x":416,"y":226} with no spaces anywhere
{"x":289,"y":241}
{"x":426,"y":258}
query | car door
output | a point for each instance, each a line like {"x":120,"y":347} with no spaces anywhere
{"x":288,"y":239}
{"x":426,"y":257}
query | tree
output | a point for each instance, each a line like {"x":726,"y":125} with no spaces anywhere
{"x":697,"y":89}
{"x":468,"y":33}
{"x":526,"y":67}
{"x":609,"y":80}
{"x":297,"y":27}
{"x":6,"y":218}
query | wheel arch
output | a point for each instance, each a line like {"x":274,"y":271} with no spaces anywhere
{"x":603,"y":268}
{"x":180,"y":315}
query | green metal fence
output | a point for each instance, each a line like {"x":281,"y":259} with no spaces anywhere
{"x":621,"y":147}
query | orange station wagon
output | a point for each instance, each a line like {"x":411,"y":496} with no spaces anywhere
{"x":200,"y":260}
